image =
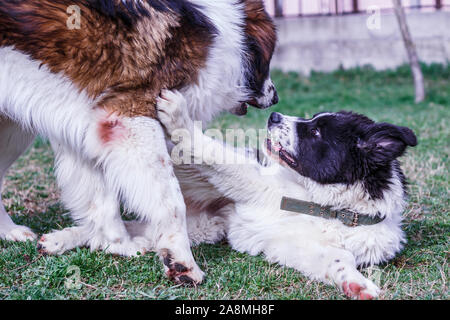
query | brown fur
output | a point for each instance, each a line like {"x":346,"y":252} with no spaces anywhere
{"x":125,"y":65}
{"x":260,"y":27}
{"x":262,"y":38}
{"x":218,"y":204}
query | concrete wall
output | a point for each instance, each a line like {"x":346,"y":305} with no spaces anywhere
{"x":326,"y":43}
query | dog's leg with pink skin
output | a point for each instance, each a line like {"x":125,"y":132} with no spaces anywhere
{"x":320,"y":262}
{"x":341,"y":269}
{"x":13,"y":142}
{"x":133,"y":155}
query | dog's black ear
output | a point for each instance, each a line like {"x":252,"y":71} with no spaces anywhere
{"x":384,"y":142}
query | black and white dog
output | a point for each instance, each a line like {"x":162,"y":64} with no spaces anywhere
{"x":341,"y":167}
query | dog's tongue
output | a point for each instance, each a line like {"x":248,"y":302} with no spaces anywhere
{"x":273,"y":146}
{"x":241,"y":110}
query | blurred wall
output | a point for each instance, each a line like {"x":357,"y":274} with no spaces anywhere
{"x":326,"y":43}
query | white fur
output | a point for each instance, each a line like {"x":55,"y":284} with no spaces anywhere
{"x":325,"y":250}
{"x":13,"y":142}
{"x":221,"y":83}
{"x":268,"y":93}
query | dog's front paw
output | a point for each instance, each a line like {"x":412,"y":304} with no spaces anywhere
{"x":181,"y":272}
{"x":363,"y":289}
{"x":18,"y":233}
{"x":172,"y":111}
{"x":57,"y":242}
{"x":135,"y":247}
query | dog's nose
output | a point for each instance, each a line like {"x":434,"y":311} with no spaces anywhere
{"x":275,"y":118}
{"x":275,"y":99}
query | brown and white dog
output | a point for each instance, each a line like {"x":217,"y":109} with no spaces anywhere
{"x":92,"y":89}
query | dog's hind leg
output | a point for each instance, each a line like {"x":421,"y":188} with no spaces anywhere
{"x":202,"y":227}
{"x":206,"y":228}
{"x":295,"y":243}
{"x":13,"y":142}
{"x":130,"y":162}
{"x":95,"y":209}
{"x":137,"y":167}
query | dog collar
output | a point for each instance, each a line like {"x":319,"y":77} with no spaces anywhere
{"x":347,"y":217}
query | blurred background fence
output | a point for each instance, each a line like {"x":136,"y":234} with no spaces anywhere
{"x":324,"y":35}
{"x":290,"y":8}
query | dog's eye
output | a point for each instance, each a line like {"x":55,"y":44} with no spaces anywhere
{"x":315,"y":133}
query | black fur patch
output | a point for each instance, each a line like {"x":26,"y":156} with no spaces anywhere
{"x":351,"y":148}
{"x":180,"y":268}
{"x":130,"y":11}
{"x":186,"y":280}
{"x":258,"y":68}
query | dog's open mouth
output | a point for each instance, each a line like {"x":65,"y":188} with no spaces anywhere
{"x":283,"y":154}
{"x":242,"y":110}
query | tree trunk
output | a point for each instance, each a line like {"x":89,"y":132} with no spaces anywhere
{"x":412,"y":52}
{"x":355,"y":6}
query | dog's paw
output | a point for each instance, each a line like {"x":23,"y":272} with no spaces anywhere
{"x":56,"y":243}
{"x":135,"y":247}
{"x":180,"y":272}
{"x":18,"y":234}
{"x":172,"y":111}
{"x":361,"y":289}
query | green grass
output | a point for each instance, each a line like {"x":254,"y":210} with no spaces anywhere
{"x":419,"y":272}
